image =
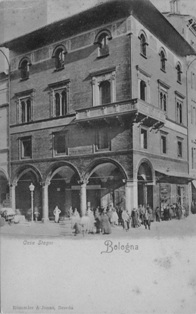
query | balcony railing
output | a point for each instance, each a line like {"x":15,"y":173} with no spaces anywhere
{"x":140,"y":111}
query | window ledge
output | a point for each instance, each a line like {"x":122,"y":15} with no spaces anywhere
{"x":103,"y":56}
{"x":144,"y":56}
{"x":59,"y":69}
{"x":24,"y":79}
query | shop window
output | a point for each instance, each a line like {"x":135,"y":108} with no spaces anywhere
{"x":143,"y":44}
{"x":60,"y":143}
{"x":163,"y":144}
{"x":102,"y":139}
{"x":24,"y":68}
{"x":179,"y":73}
{"x":26,"y":148}
{"x":143,"y":139}
{"x":179,"y":148}
{"x":102,"y":40}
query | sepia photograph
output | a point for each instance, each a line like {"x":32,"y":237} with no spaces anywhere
{"x":98,"y":156}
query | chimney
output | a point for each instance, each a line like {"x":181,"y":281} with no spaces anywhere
{"x":175,"y":6}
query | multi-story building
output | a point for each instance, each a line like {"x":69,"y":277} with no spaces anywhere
{"x":4,"y":139}
{"x":186,"y":26}
{"x":98,"y":111}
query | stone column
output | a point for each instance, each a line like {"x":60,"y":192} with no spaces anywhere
{"x":83,"y":198}
{"x":128,"y":190}
{"x":132,"y":190}
{"x":45,"y":210}
{"x":13,"y":196}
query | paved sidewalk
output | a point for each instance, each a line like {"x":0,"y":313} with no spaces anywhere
{"x":179,"y":228}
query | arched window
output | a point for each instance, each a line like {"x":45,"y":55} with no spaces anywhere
{"x":162,"y":60}
{"x":59,"y":56}
{"x":163,"y":101}
{"x":179,"y":112}
{"x":143,"y":44}
{"x":142,"y":90}
{"x":179,"y":73}
{"x":60,"y":103}
{"x":105,"y":92}
{"x":25,"y":110}
{"x":24,"y":69}
{"x":102,"y":40}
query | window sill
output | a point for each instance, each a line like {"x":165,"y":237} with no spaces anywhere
{"x":103,"y":56}
{"x":25,"y":158}
{"x":59,"y":69}
{"x":24,"y":79}
{"x":144,"y":56}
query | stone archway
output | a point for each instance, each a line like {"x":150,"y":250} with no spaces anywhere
{"x":4,"y":189}
{"x":63,"y":189}
{"x":145,"y":184}
{"x":106,"y":184}
{"x":26,"y":176}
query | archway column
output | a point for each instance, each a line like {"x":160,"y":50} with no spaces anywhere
{"x":83,"y":197}
{"x":13,"y":196}
{"x":45,"y":209}
{"x":131,"y":195}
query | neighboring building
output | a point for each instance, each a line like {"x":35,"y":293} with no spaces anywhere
{"x":4,"y":139}
{"x":98,"y":111}
{"x":186,"y":26}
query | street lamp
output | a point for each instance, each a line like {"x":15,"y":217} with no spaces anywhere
{"x":31,"y":188}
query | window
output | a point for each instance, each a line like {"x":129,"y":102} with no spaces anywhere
{"x":179,"y":112}
{"x":193,"y":81}
{"x":60,"y":143}
{"x":59,"y":59}
{"x":193,"y":153}
{"x":142,"y":90}
{"x":102,"y":139}
{"x":143,"y":84}
{"x":143,"y":44}
{"x":105,"y":92}
{"x":25,"y":110}
{"x":26,"y":148}
{"x":143,"y":138}
{"x":163,"y":101}
{"x":162,"y":61}
{"x":179,"y":73}
{"x":163,"y":144}
{"x":179,"y":143}
{"x":104,"y":87}
{"x":59,"y":98}
{"x":102,"y":40}
{"x":24,"y":69}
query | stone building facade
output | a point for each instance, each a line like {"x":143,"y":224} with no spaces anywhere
{"x":98,"y":111}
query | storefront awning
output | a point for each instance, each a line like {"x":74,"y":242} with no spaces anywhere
{"x":172,"y":177}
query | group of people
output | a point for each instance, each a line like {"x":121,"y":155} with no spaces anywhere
{"x":101,"y":219}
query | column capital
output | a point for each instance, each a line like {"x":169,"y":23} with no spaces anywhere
{"x":45,"y":183}
{"x":83,"y":182}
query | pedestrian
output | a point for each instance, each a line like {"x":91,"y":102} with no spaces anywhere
{"x":36,"y":213}
{"x":105,"y":224}
{"x":134,"y":216}
{"x":125,"y":220}
{"x":56,"y":213}
{"x":158,"y":214}
{"x":147,"y":217}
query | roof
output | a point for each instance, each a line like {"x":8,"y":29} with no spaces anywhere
{"x":102,"y":14}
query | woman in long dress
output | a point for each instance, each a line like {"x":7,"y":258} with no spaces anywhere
{"x":56,"y":213}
